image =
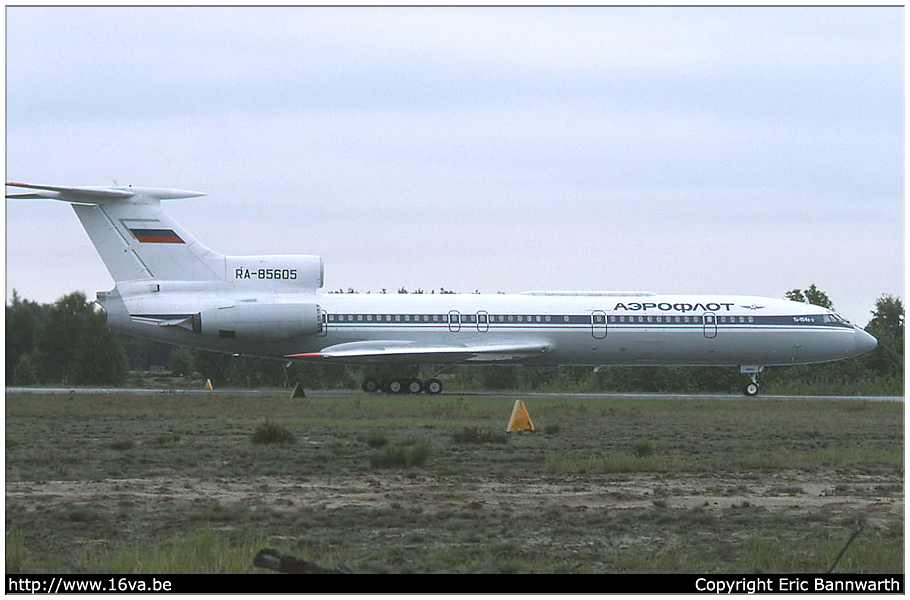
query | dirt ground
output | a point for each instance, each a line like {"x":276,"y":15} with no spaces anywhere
{"x":605,"y":486}
{"x":790,"y":490}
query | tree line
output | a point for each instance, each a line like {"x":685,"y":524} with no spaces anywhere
{"x":68,"y":343}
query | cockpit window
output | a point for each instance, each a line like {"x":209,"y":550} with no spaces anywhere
{"x":833,"y":317}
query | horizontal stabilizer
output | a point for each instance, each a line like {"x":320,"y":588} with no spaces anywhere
{"x":383,"y":351}
{"x":97,"y":194}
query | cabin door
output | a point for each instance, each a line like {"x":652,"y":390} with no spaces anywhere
{"x":483,"y":321}
{"x":710,"y":325}
{"x":454,"y":320}
{"x":599,"y":324}
{"x":325,"y":324}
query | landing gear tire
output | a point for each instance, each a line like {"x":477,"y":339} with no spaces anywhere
{"x":751,"y":388}
{"x":401,"y":386}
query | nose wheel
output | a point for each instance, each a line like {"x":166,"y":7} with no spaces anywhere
{"x":751,"y":388}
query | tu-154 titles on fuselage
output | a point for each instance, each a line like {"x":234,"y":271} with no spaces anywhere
{"x":170,"y":287}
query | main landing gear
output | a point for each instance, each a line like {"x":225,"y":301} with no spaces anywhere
{"x":398,"y":385}
{"x":753,"y":371}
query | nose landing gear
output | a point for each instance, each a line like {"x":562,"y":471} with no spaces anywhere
{"x":753,"y":371}
{"x":752,"y":387}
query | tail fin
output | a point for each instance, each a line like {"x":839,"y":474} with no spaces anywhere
{"x":134,"y":236}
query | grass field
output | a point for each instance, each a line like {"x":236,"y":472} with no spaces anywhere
{"x":405,"y":484}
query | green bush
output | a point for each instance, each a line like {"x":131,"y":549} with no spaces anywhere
{"x":401,"y":455}
{"x":271,"y":433}
{"x":473,"y":435}
{"x":376,"y":440}
{"x":122,"y":444}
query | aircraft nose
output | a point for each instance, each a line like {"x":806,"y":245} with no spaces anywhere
{"x":864,"y":341}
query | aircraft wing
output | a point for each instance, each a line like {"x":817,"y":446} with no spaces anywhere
{"x":394,"y":351}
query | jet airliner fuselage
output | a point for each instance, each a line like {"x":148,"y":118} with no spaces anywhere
{"x":172,"y":288}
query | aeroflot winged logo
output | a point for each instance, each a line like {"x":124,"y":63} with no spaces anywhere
{"x":157,"y":236}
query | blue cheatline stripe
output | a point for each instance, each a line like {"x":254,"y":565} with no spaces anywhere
{"x":413,"y":320}
{"x":555,"y":321}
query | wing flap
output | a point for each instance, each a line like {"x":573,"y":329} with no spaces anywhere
{"x":392,"y":351}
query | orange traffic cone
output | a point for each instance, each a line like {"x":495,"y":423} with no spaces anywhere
{"x":520,"y":419}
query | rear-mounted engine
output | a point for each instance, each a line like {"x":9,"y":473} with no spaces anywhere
{"x":259,"y":321}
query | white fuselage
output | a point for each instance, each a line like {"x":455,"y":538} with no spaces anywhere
{"x":567,"y":328}
{"x":171,"y":287}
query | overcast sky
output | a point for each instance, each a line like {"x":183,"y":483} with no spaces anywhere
{"x":673,"y":150}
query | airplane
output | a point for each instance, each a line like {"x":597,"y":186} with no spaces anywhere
{"x":170,"y":287}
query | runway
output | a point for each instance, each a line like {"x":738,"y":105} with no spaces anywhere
{"x":318,"y":393}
